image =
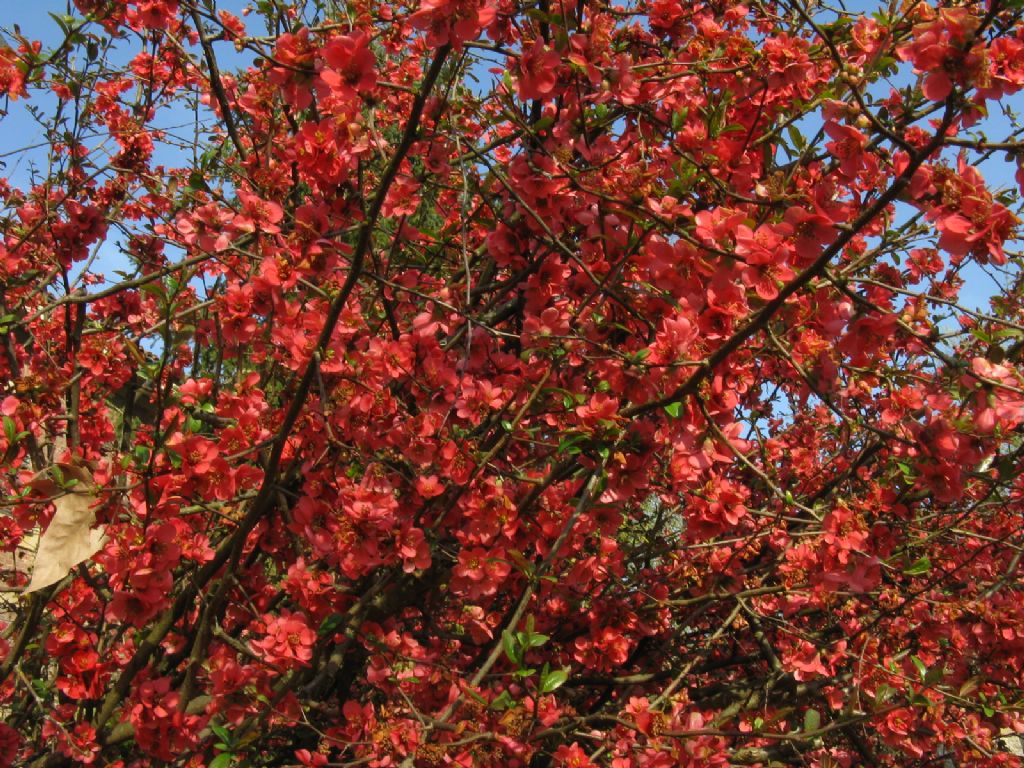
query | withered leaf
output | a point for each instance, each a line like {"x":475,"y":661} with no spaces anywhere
{"x":70,"y":538}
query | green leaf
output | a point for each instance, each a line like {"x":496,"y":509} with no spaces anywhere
{"x":223,"y":733}
{"x":553,"y":680}
{"x":640,"y":355}
{"x":919,"y":567}
{"x":476,"y":696}
{"x":196,"y":182}
{"x":223,"y":760}
{"x":673,"y":409}
{"x":520,"y":561}
{"x":918,"y":700}
{"x":544,"y":123}
{"x":504,"y":701}
{"x":10,"y":429}
{"x":922,"y":668}
{"x":935,"y":675}
{"x":812,"y":721}
{"x":883,"y":693}
{"x":508,"y":642}
{"x":571,"y":444}
{"x":65,"y":22}
{"x":330,"y":624}
{"x":907,"y":470}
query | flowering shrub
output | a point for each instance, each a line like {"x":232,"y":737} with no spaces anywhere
{"x":488,"y":383}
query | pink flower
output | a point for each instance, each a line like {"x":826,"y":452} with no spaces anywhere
{"x":847,"y":145}
{"x":572,"y":756}
{"x":805,"y":661}
{"x":289,"y":639}
{"x":538,"y":71}
{"x":351,"y":67}
{"x":430,"y":486}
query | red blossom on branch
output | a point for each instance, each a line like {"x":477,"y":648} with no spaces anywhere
{"x":466,"y":383}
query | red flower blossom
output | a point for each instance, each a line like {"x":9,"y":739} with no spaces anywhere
{"x":350,"y":66}
{"x":288,"y":639}
{"x":805,"y":661}
{"x":10,"y":741}
{"x":538,"y":71}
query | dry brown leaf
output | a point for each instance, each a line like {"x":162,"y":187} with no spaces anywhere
{"x":70,"y":538}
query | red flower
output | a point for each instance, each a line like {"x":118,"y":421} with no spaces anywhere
{"x":351,"y":68}
{"x":452,"y":21}
{"x":811,"y":231}
{"x":10,"y":741}
{"x":572,"y":756}
{"x":289,"y":639}
{"x":538,"y":71}
{"x":294,"y":53}
{"x":429,"y":486}
{"x":848,"y":146}
{"x":805,"y":661}
{"x":12,"y":78}
{"x":480,"y":573}
{"x":936,"y":51}
{"x":153,"y":14}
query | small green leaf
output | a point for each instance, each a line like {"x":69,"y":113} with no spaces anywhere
{"x":922,"y":668}
{"x":544,"y":123}
{"x":812,"y":721}
{"x":799,"y":142}
{"x":476,"y":696}
{"x":330,"y":624}
{"x":520,"y":561}
{"x":10,"y":429}
{"x":906,"y":469}
{"x":223,"y":760}
{"x":197,"y":182}
{"x":553,"y":680}
{"x":919,"y":567}
{"x":673,"y":409}
{"x":504,"y":701}
{"x":508,"y":641}
{"x":883,"y":693}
